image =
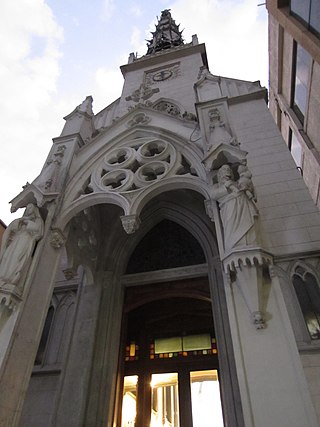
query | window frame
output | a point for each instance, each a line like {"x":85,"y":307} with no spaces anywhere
{"x":305,"y":23}
{"x":299,"y":325}
{"x":301,"y":116}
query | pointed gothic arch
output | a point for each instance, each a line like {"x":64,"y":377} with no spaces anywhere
{"x":305,"y":281}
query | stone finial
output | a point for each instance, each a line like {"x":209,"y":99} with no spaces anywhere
{"x":86,"y":106}
{"x":166,"y":35}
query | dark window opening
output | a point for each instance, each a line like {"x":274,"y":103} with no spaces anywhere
{"x":44,"y":337}
{"x":167,"y":245}
{"x":308,"y":293}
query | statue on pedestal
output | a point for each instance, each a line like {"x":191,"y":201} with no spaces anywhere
{"x":238,"y":210}
{"x":17,"y":247}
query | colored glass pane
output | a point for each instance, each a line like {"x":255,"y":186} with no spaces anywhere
{"x":196,"y":342}
{"x":167,"y":345}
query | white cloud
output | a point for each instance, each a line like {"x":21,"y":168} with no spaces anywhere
{"x":136,"y":41}
{"x":236,"y":40}
{"x":107,"y":88}
{"x":108,"y":8}
{"x":30,"y":58}
{"x":135,"y":10}
{"x":28,"y":75}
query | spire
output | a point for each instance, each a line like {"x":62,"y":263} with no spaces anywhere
{"x":166,"y":35}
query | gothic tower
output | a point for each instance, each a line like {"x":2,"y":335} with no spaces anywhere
{"x":165,"y":271}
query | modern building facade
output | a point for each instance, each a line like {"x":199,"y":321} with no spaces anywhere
{"x":294,"y":58}
{"x":165,"y":271}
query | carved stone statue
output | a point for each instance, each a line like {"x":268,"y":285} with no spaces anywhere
{"x":238,"y":210}
{"x":18,"y":243}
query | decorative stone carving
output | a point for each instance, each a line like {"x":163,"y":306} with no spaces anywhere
{"x":157,"y":76}
{"x":82,"y":242}
{"x":138,"y":165}
{"x":189,"y":116}
{"x":203,"y":71}
{"x":142,"y":93}
{"x":57,"y":239}
{"x":9,"y":301}
{"x":130,"y":223}
{"x":258,"y":320}
{"x":139,"y":119}
{"x":209,"y":206}
{"x":249,"y":271}
{"x":86,"y":106}
{"x":69,"y":273}
{"x":218,"y":131}
{"x":238,"y":210}
{"x":169,"y":108}
{"x":18,"y":244}
{"x":167,"y":34}
{"x":50,"y":173}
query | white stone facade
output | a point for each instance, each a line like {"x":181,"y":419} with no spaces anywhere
{"x":160,"y":152}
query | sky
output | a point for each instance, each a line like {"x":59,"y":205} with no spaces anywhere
{"x":54,"y":53}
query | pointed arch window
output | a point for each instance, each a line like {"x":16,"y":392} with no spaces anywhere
{"x":44,"y":337}
{"x":308,"y":293}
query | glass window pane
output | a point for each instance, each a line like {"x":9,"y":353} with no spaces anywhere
{"x":167,"y":345}
{"x":164,"y":400}
{"x":205,"y":398}
{"x":196,"y":342}
{"x":315,"y":15}
{"x":296,"y":150}
{"x":303,"y":61}
{"x":129,"y":401}
{"x":301,"y":8}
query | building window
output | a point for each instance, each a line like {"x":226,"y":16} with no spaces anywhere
{"x":44,"y":337}
{"x":300,"y":78}
{"x":171,"y":369}
{"x":308,"y":12}
{"x":308,"y":294}
{"x":295,"y":149}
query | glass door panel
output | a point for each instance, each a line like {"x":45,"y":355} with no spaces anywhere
{"x":129,"y":402}
{"x":205,"y":399}
{"x":164,"y":400}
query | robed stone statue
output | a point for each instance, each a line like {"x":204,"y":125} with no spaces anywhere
{"x":238,"y":210}
{"x":18,"y":243}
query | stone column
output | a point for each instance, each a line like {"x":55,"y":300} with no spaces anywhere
{"x":230,"y":392}
{"x":101,"y":396}
{"x":21,"y":349}
{"x":272,"y":384}
{"x":73,"y":392}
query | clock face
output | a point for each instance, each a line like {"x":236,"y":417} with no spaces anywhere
{"x":162,"y":75}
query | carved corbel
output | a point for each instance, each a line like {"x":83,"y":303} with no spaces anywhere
{"x":57,"y":238}
{"x":130,"y":223}
{"x":211,"y":209}
{"x":249,"y":271}
{"x":69,"y":273}
{"x":9,"y":301}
